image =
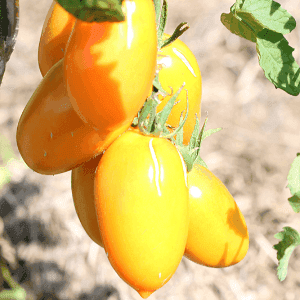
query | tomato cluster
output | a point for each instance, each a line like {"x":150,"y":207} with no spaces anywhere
{"x":132,"y":190}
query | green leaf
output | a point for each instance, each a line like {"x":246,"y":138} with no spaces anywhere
{"x":290,"y":239}
{"x":294,"y":176}
{"x":234,"y":25}
{"x":277,"y":61}
{"x":94,"y":10}
{"x":266,"y":14}
{"x":295,"y":202}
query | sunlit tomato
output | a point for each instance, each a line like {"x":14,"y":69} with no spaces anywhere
{"x":179,"y":65}
{"x":218,"y":235}
{"x":84,"y":200}
{"x":142,"y":207}
{"x":55,"y":34}
{"x":110,"y":66}
{"x":50,"y":136}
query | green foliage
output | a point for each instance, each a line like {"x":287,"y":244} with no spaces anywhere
{"x":191,"y":152}
{"x":94,"y":10}
{"x":264,"y":22}
{"x":16,"y":292}
{"x":295,"y":202}
{"x":277,"y":61}
{"x":290,"y":239}
{"x":294,"y":176}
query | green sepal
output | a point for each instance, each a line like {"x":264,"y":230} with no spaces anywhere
{"x":94,"y":10}
{"x":165,"y":112}
{"x":154,"y":123}
{"x":191,"y":152}
{"x":162,"y":23}
{"x":180,"y":29}
{"x":158,"y":86}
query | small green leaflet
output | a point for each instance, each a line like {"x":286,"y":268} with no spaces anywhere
{"x":266,"y":14}
{"x":264,"y":22}
{"x":94,"y":10}
{"x":236,"y":26}
{"x":294,"y":176}
{"x":276,"y":59}
{"x":295,"y":202}
{"x":290,"y":239}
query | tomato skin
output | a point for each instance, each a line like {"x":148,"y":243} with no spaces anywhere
{"x":51,"y":138}
{"x":218,"y":235}
{"x":107,"y":74}
{"x":82,"y":182}
{"x":56,"y":30}
{"x":180,"y":65}
{"x":142,"y":208}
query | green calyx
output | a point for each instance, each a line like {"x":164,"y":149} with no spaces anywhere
{"x":161,"y":11}
{"x":94,"y":10}
{"x":191,"y":152}
{"x":151,"y":122}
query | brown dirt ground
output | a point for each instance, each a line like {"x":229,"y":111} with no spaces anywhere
{"x":55,"y":259}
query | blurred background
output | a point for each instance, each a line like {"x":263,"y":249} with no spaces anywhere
{"x":42,"y":240}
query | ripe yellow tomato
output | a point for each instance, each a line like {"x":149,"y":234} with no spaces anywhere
{"x":178,"y":64}
{"x":142,"y":207}
{"x":57,"y":28}
{"x":82,"y":180}
{"x":218,"y":235}
{"x":51,"y":137}
{"x":110,"y":66}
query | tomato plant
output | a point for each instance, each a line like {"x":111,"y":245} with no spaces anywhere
{"x":142,"y":208}
{"x":109,"y":67}
{"x":54,"y":37}
{"x":82,"y":181}
{"x":177,"y":65}
{"x":218,"y":235}
{"x":50,"y":136}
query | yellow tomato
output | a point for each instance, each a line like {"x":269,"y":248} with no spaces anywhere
{"x":178,"y":65}
{"x":142,"y":208}
{"x":83,"y":196}
{"x":218,"y":235}
{"x":57,"y":28}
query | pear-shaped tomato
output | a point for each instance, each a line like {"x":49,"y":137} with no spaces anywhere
{"x":50,"y":136}
{"x":54,"y":37}
{"x":177,"y":64}
{"x":82,"y":181}
{"x":142,"y":208}
{"x":218,"y":235}
{"x":110,"y":66}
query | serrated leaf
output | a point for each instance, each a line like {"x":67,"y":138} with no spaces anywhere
{"x":276,"y":59}
{"x":237,"y":27}
{"x":266,"y":14}
{"x":295,"y":202}
{"x":290,"y":239}
{"x":294,"y":176}
{"x":94,"y":10}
